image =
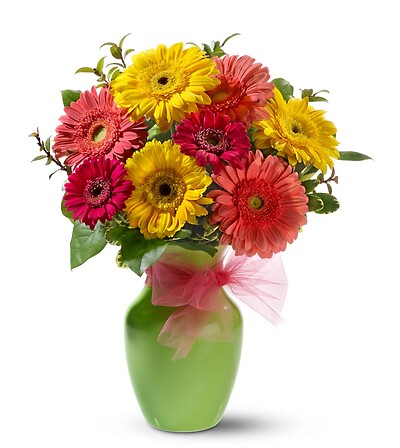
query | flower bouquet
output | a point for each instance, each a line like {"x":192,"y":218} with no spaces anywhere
{"x":201,"y":169}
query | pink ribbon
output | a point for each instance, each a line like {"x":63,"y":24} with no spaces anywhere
{"x":196,"y":292}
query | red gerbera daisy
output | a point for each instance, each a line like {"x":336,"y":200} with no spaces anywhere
{"x":261,"y":207}
{"x":243,"y":90}
{"x":211,"y":138}
{"x":95,"y":126}
{"x":97,"y":190}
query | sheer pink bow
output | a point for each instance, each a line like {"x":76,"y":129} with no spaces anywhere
{"x":196,"y":291}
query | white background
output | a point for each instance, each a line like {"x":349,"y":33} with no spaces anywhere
{"x":327,"y":377}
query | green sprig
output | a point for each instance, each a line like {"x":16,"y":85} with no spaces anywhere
{"x":45,"y":146}
{"x":215,"y":49}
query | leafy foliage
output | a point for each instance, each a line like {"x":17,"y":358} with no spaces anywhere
{"x":134,"y":250}
{"x":45,"y":147}
{"x":284,"y":87}
{"x":86,"y":243}
{"x":215,"y":49}
{"x":313,"y":96}
{"x":69,"y":96}
{"x":116,"y":52}
{"x":353,"y":156}
{"x":322,"y":203}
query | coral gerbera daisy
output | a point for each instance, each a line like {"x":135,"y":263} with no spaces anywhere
{"x":243,"y":90}
{"x":298,"y":132}
{"x":212,"y":138}
{"x":260,"y":208}
{"x":169,"y":188}
{"x":94,"y":126}
{"x":97,"y":190}
{"x":165,"y":83}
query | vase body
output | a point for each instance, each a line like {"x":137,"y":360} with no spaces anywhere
{"x":186,"y":394}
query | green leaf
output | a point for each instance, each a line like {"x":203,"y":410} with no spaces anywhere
{"x":116,"y":52}
{"x":85,"y":243}
{"x":121,"y":42}
{"x":155,"y":133}
{"x":119,"y":260}
{"x":85,"y":70}
{"x":108,"y":43}
{"x":181,"y":234}
{"x":116,"y":233}
{"x":54,"y":172}
{"x":310,"y":185}
{"x":100,"y":65}
{"x":43,"y":156}
{"x":47,"y":144}
{"x":329,"y":203}
{"x":229,"y":37}
{"x":314,"y":99}
{"x":128,"y":51}
{"x":353,"y":156}
{"x":284,"y":87}
{"x":66,"y":213}
{"x":111,"y":71}
{"x":306,"y":93}
{"x":315,"y":203}
{"x":115,"y":64}
{"x":210,"y":250}
{"x":115,"y":75}
{"x":69,"y":96}
{"x":138,"y":253}
{"x":307,"y":172}
{"x":207,"y":49}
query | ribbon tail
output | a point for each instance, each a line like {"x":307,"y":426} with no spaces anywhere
{"x":259,"y":283}
{"x":181,"y":330}
{"x":259,"y":305}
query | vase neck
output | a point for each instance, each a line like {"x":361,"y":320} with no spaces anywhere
{"x":196,"y":258}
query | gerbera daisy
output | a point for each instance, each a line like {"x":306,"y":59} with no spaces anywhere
{"x":165,"y":84}
{"x":97,"y":190}
{"x":212,"y":138}
{"x":261,"y":207}
{"x":94,"y":126}
{"x":243,"y":90}
{"x":298,"y":132}
{"x":169,"y":186}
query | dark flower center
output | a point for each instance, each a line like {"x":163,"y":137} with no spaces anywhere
{"x":163,"y":80}
{"x":212,"y":140}
{"x":164,"y":189}
{"x":97,"y":192}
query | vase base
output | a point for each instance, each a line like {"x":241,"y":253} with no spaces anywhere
{"x":205,"y":428}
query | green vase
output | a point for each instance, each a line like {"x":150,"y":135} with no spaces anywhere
{"x":187,"y":394}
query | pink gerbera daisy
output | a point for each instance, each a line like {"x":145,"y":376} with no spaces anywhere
{"x":95,"y":126}
{"x":97,"y":190}
{"x":243,"y":90}
{"x":212,"y":138}
{"x":261,"y":207}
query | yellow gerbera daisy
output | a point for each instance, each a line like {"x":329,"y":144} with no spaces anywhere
{"x":169,"y":188}
{"x":165,"y":84}
{"x":298,"y":132}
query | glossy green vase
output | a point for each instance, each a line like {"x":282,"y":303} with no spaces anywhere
{"x":187,"y":394}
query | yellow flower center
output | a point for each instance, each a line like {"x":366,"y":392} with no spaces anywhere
{"x":99,"y":133}
{"x":294,"y":127}
{"x":162,"y":82}
{"x":256,"y":202}
{"x":164,"y":190}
